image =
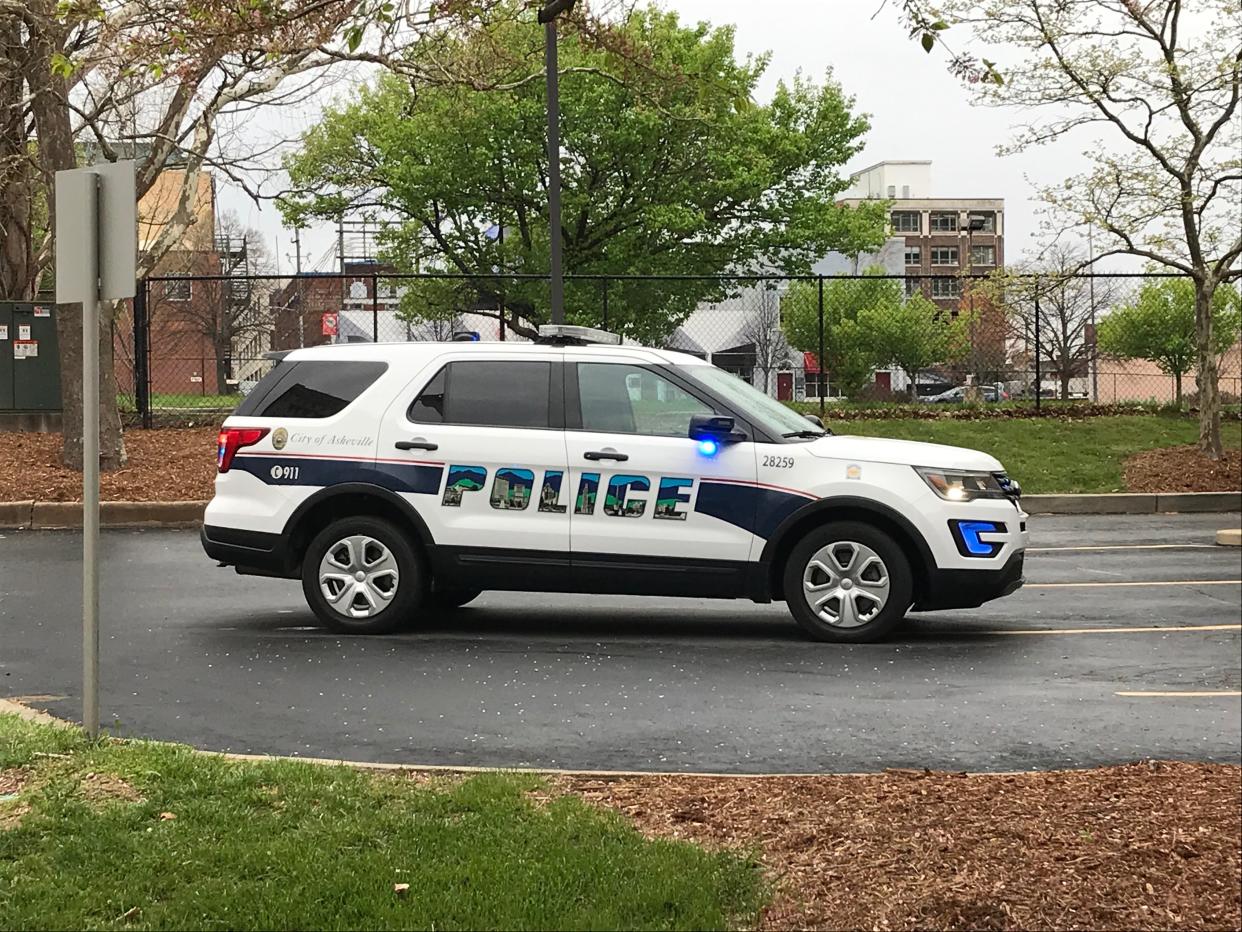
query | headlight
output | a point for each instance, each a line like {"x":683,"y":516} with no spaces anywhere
{"x":959,"y":485}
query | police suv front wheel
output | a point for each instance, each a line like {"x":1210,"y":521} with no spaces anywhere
{"x":848,"y":582}
{"x":362,"y":576}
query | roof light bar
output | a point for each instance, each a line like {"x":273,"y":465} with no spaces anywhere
{"x":571,"y":335}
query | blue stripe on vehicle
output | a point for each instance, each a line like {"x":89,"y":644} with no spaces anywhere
{"x":416,"y":478}
{"x":752,"y":508}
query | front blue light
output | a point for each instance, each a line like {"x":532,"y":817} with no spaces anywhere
{"x":708,"y":447}
{"x":970,"y":531}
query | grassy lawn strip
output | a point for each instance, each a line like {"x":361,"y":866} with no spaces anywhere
{"x":87,"y":841}
{"x":1052,"y":455}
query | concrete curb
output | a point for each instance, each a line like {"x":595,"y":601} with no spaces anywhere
{"x":1132,"y":503}
{"x":38,"y":516}
{"x":1229,"y":537}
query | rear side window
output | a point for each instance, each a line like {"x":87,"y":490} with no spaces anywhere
{"x":310,"y":389}
{"x":487,"y":394}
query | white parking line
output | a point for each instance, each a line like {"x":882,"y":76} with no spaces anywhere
{"x":1172,"y":694}
{"x":1119,"y":629}
{"x":1123,"y":547}
{"x":1145,"y":582}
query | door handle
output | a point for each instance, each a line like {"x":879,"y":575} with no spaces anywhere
{"x":419,"y":444}
{"x":605,"y":455}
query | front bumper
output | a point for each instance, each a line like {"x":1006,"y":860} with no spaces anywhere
{"x":970,"y":588}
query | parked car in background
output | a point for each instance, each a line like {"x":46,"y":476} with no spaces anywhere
{"x":958,"y":395}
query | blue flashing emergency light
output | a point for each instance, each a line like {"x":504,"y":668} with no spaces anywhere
{"x":708,"y":447}
{"x":968,"y":533}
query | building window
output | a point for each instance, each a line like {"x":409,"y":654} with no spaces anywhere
{"x":944,"y":223}
{"x":944,"y":255}
{"x":946,"y":288}
{"x":906,"y":221}
{"x":892,"y":191}
{"x":178,"y":289}
{"x":914,"y":255}
{"x":983,"y":255}
{"x":913,"y":286}
{"x":985,"y":223}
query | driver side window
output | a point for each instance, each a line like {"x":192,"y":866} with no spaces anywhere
{"x":622,"y":399}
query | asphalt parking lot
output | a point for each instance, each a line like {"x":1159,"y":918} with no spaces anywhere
{"x":1125,"y":644}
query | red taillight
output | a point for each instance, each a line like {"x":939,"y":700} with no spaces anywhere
{"x":233,"y":439}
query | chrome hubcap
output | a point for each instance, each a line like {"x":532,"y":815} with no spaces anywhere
{"x":358,"y":576}
{"x":846,"y":584}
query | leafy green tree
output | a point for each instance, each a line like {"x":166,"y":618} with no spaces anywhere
{"x":669,"y":167}
{"x":1160,"y":326}
{"x":913,"y":335}
{"x":848,"y":354}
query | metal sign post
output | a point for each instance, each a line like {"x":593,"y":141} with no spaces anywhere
{"x":96,"y":259}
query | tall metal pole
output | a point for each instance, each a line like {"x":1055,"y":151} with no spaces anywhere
{"x":557,"y":284}
{"x":90,"y":503}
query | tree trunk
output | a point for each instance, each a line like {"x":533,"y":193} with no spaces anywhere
{"x":49,"y":104}
{"x":17,"y":274}
{"x":222,"y":353}
{"x":1177,"y":389}
{"x":1205,"y":374}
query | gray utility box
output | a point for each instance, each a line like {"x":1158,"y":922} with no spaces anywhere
{"x":29,"y":357}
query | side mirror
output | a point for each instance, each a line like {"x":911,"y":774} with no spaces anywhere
{"x":716,"y":427}
{"x":814,"y":419}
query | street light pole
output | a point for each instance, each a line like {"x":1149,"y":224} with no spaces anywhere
{"x":547,"y":16}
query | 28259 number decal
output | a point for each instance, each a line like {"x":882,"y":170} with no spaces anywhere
{"x":778,"y":462}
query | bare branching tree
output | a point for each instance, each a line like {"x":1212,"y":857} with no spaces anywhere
{"x":1153,"y":86}
{"x":1067,"y":305}
{"x":762,"y":330}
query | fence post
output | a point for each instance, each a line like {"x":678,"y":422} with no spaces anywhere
{"x":1038,"y":374}
{"x":374,"y":308}
{"x":604,"y":283}
{"x":823,"y":363}
{"x":142,"y":356}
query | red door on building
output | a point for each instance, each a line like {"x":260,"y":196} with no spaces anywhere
{"x":784,"y":386}
{"x":884,"y":381}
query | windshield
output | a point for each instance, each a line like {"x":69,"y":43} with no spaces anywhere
{"x":767,"y":412}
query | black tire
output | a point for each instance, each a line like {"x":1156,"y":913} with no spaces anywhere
{"x":900,"y":583}
{"x":410,"y":582}
{"x":445,"y":600}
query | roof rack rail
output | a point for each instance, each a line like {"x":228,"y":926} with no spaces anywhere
{"x":572,"y":335}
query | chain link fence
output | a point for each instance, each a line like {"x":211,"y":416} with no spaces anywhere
{"x":189,"y":347}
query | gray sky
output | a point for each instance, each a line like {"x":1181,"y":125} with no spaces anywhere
{"x":918,"y":111}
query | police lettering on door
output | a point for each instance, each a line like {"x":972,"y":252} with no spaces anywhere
{"x":626,"y":495}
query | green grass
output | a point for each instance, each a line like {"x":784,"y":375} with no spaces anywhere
{"x":1048,"y":454}
{"x":182,"y":402}
{"x":282,"y":845}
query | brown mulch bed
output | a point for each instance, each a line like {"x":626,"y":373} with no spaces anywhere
{"x":1144,"y":846}
{"x":1183,"y":469}
{"x":164,"y":466}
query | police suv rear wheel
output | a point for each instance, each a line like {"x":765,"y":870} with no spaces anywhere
{"x":848,"y":582}
{"x":362,"y":576}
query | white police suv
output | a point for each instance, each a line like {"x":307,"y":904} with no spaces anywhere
{"x":397,"y":479}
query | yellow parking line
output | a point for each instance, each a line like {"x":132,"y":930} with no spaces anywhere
{"x":1107,"y":585}
{"x":1170,"y":694}
{"x":1120,"y":629}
